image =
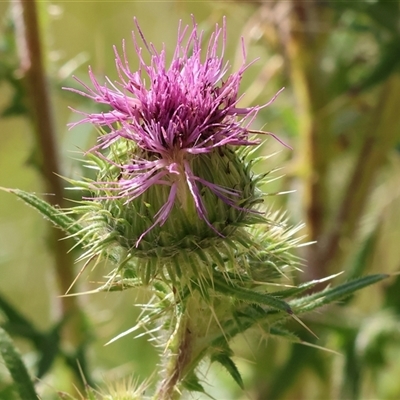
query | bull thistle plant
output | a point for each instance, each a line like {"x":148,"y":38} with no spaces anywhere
{"x":176,"y":207}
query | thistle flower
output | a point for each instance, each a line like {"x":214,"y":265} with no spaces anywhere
{"x":172,"y":136}
{"x":174,"y":207}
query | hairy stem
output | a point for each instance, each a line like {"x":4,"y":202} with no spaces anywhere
{"x":179,"y":357}
{"x":192,"y":335}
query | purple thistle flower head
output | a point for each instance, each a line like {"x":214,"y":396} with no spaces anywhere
{"x":170,"y":117}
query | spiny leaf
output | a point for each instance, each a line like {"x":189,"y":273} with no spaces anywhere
{"x":302,"y":287}
{"x":230,"y":366}
{"x":55,"y":215}
{"x":250,"y":296}
{"x":14,"y":364}
{"x":192,"y":384}
{"x":284,"y":334}
{"x":327,"y":296}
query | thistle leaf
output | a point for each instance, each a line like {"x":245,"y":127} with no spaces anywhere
{"x":327,"y":296}
{"x":230,"y":366}
{"x":55,"y":215}
{"x":250,"y":296}
{"x":12,"y":360}
{"x":192,"y":384}
{"x":302,"y":287}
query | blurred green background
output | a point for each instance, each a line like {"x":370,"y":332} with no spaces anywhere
{"x":340,"y":112}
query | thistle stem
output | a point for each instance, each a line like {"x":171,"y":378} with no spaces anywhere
{"x":179,"y":358}
{"x":188,"y":344}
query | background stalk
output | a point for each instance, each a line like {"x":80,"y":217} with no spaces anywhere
{"x":48,"y":159}
{"x":381,"y":136}
{"x":305,"y":44}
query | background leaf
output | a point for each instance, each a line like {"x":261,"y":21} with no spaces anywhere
{"x":16,"y":367}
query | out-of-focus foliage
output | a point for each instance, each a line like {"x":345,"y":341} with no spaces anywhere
{"x":339,"y":62}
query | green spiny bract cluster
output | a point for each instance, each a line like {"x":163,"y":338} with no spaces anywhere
{"x":246,"y":245}
{"x":208,"y":285}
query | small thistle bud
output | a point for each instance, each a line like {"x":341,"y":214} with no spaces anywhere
{"x":173,"y":187}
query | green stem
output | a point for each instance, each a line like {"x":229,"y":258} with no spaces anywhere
{"x":180,"y":351}
{"x":194,"y":330}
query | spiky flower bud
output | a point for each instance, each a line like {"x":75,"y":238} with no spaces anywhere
{"x":174,"y":188}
